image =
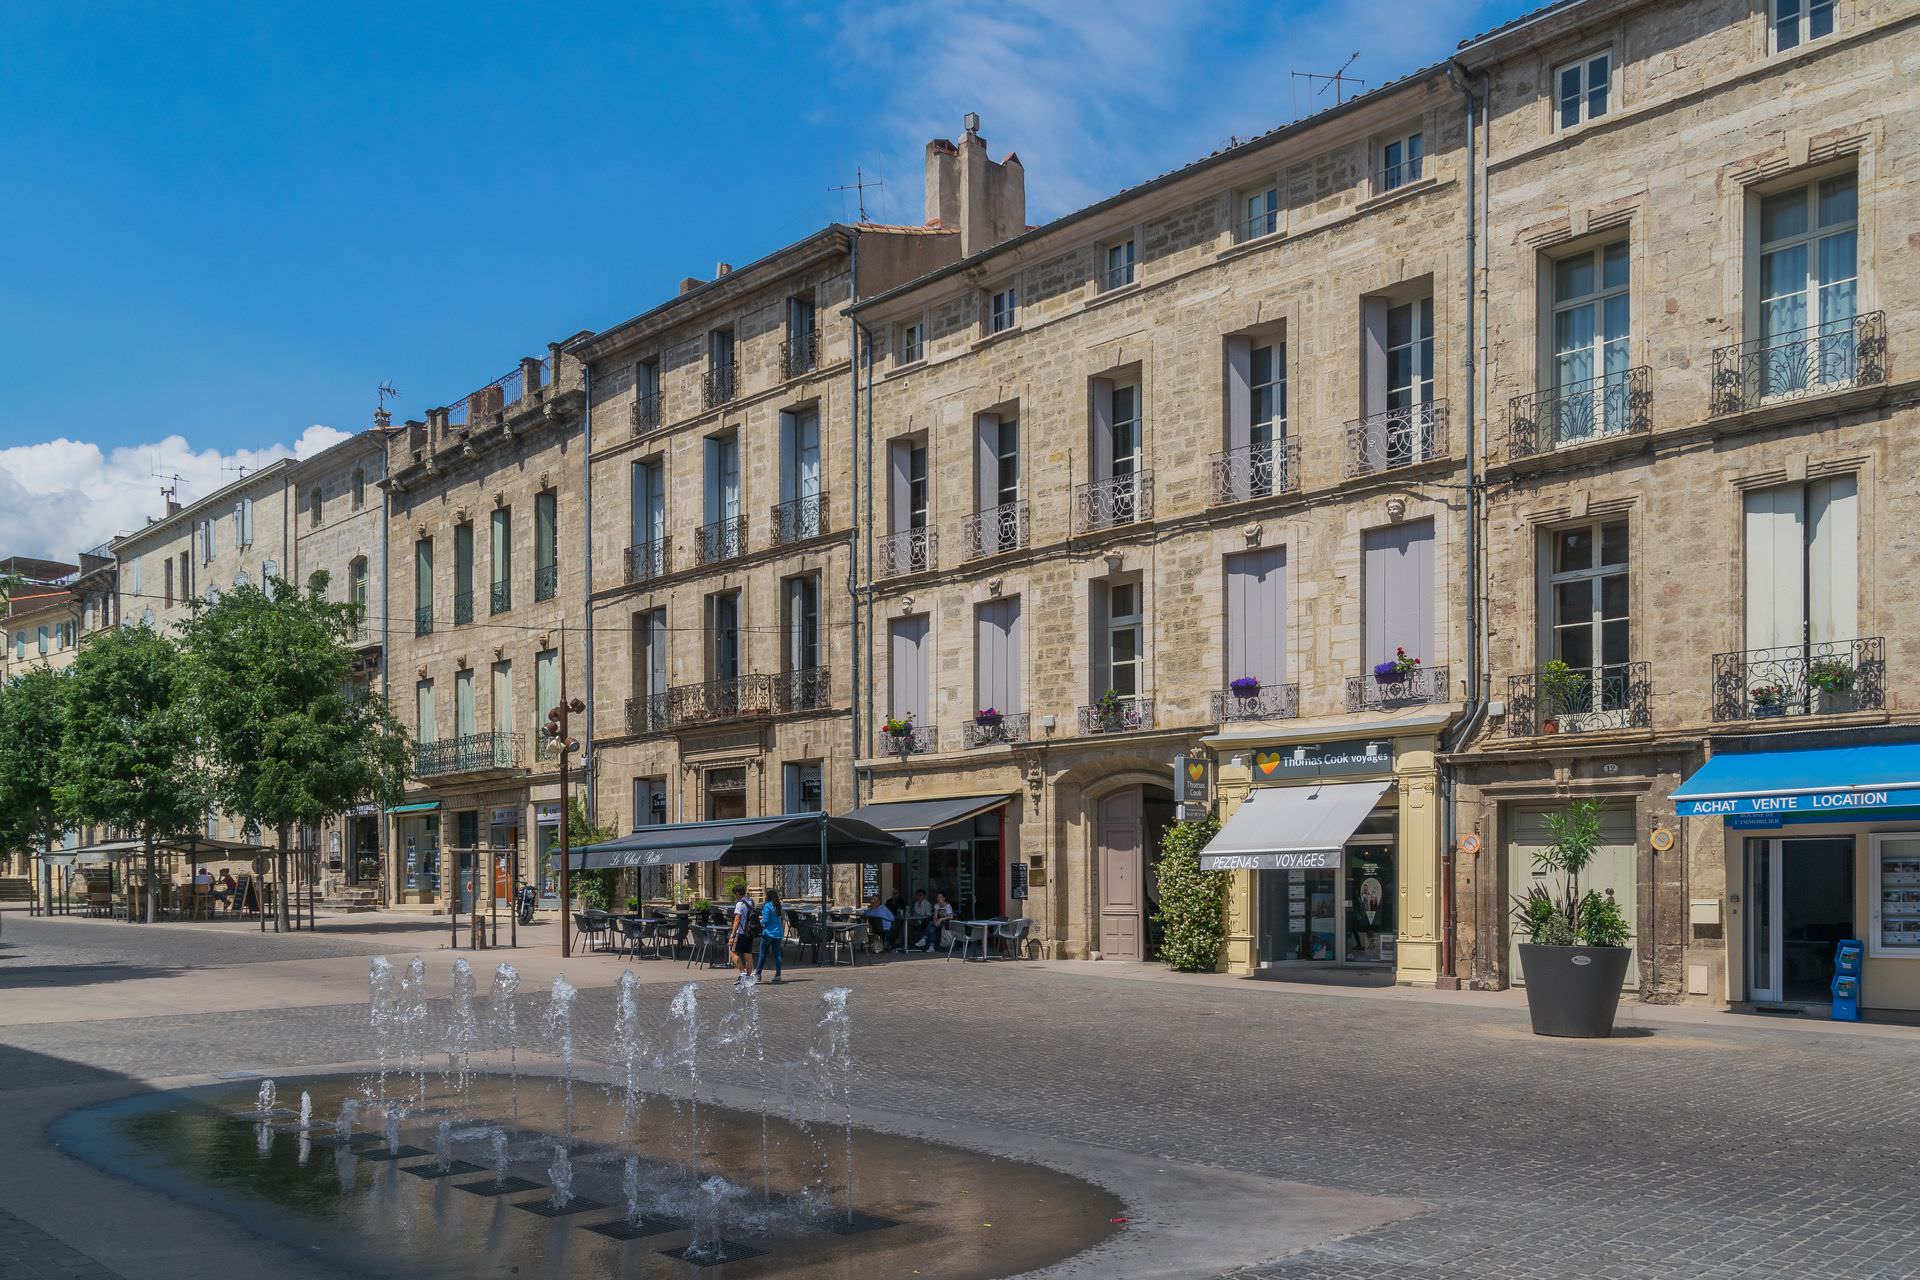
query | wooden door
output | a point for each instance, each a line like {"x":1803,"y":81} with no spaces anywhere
{"x":1118,"y":847}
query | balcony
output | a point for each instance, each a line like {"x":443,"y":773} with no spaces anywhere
{"x":908,"y":551}
{"x":645,"y":413}
{"x":716,"y":386}
{"x":1579,"y":700}
{"x":717,"y":701}
{"x":1396,"y":438}
{"x":546,"y":581}
{"x":1264,"y":702}
{"x":491,"y":403}
{"x":800,"y":519}
{"x":1615,"y":404}
{"x":994,"y":531}
{"x":500,"y":597}
{"x":914,"y":740}
{"x":1830,"y":677}
{"x":1009,"y":728}
{"x":474,"y":753}
{"x":1113,"y":503}
{"x":647,"y":714}
{"x":462,"y":608}
{"x":423,"y":620}
{"x":1117,"y":715}
{"x":650,"y":559}
{"x":1835,"y":356}
{"x":1370,"y":693}
{"x":1256,"y":471}
{"x":807,"y":689}
{"x":800,"y":354}
{"x":724,"y":539}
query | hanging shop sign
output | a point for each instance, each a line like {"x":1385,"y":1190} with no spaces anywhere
{"x":1192,"y":780}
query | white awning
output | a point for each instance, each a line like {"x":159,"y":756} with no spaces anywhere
{"x":1283,"y":828}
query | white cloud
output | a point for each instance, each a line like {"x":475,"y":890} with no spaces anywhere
{"x":63,"y":496}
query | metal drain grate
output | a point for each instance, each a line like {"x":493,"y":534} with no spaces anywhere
{"x":579,"y":1204}
{"x":505,"y":1187}
{"x":649,"y":1225}
{"x":714,"y":1253}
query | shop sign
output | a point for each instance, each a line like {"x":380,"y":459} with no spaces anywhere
{"x":1315,"y":860}
{"x":1192,"y":781}
{"x":1837,"y":802}
{"x":546,"y":813}
{"x":869,"y":881}
{"x":1755,"y":821}
{"x":1017,"y":881}
{"x":506,"y":818}
{"x":1344,"y":759}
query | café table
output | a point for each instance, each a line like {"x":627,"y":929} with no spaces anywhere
{"x":980,"y":931}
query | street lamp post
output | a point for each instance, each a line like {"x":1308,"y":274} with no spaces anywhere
{"x":557,"y":731}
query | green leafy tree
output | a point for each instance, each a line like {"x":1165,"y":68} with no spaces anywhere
{"x":596,"y":888}
{"x":267,"y":675}
{"x":1193,"y":903}
{"x":127,"y":755}
{"x":32,"y":720}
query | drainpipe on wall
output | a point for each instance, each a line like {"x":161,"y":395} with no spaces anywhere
{"x":853,"y":537}
{"x":867,"y":461}
{"x":386,"y":646}
{"x":589,"y":758}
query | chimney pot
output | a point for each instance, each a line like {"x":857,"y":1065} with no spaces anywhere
{"x":690,"y":283}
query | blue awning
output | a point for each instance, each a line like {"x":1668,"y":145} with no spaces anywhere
{"x":1832,"y":781}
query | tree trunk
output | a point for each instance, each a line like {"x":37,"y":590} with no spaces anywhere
{"x":281,"y":923}
{"x":153,"y":887}
{"x":46,"y":876}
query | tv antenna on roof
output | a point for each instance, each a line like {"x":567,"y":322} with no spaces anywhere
{"x":860,"y":185}
{"x":169,"y":492}
{"x":1338,"y":82}
{"x":386,"y":392}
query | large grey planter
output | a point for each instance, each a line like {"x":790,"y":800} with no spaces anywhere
{"x":1573,"y":991}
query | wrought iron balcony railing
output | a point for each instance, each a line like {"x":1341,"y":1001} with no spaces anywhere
{"x":1267,"y":702}
{"x":716,"y":386}
{"x":1835,"y":356}
{"x":808,"y":689}
{"x":722,"y":540}
{"x":1370,"y":693}
{"x":914,"y":740}
{"x":1118,"y":276}
{"x":650,"y":559}
{"x":500,"y":597}
{"x":473,"y":753}
{"x":1397,"y":438}
{"x":1827,"y":677}
{"x":1579,"y":700}
{"x":1117,"y":715}
{"x":423,"y":620}
{"x":647,"y":714}
{"x":1256,"y":471}
{"x":462,"y":608}
{"x":1615,"y":404}
{"x":995,"y":530}
{"x":800,"y":353}
{"x":1113,"y":503}
{"x":646,"y":413}
{"x":546,"y":581}
{"x":1010,"y":727}
{"x":719,"y":700}
{"x":800,"y":519}
{"x":908,"y":551}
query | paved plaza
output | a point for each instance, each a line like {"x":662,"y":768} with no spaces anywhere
{"x":1695,"y":1144}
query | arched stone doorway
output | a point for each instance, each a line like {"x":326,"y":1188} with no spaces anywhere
{"x":1128,"y":827}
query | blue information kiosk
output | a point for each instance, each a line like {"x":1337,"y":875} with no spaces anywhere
{"x":1848,"y":960}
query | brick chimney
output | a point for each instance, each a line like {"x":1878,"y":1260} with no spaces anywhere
{"x":984,"y":200}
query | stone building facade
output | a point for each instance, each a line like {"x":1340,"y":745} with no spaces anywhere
{"x":1200,"y":433}
{"x":486,"y":584}
{"x":1701,"y":289}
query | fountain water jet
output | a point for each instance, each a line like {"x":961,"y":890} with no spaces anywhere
{"x":382,"y":1002}
{"x":462,"y":1031}
{"x":264,"y":1101}
{"x":627,"y":1049}
{"x":500,"y":1011}
{"x":683,"y":1020}
{"x":443,"y":1145}
{"x":498,"y":1141}
{"x":413,"y":1020}
{"x":560,"y":1175}
{"x":558,"y":1025}
{"x":832,"y":1056}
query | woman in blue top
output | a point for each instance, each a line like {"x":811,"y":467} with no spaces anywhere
{"x":773,"y":929}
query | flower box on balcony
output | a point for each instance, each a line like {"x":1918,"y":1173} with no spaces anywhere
{"x":987,"y":717}
{"x":1397,"y":668}
{"x":1245,"y":687}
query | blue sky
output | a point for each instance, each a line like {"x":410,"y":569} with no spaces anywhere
{"x":228,"y":223}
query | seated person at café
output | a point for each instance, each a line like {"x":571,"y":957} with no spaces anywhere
{"x":920,"y":920}
{"x":202,"y":880}
{"x":942,"y":919}
{"x":879,"y":922}
{"x":226,"y":888}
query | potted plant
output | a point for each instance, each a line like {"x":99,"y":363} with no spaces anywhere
{"x":1575,"y":957}
{"x":703,"y":911}
{"x":1562,"y":687}
{"x":1245,"y":687}
{"x":633,"y":906}
{"x":987,"y":717}
{"x":1111,"y":712}
{"x":1832,"y":682}
{"x":1768,"y":700}
{"x":1397,"y":668}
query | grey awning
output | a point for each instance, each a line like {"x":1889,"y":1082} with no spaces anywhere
{"x":914,"y":821}
{"x":1280,"y":828}
{"x":788,"y":838}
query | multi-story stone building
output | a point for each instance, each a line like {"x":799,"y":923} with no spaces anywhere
{"x":1170,"y":477}
{"x":724,"y":448}
{"x":486,"y":596}
{"x":1702,"y":281}
{"x":340,"y":529}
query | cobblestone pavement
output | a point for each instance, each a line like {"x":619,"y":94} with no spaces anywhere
{"x":29,"y":1253}
{"x":1744,"y":1148}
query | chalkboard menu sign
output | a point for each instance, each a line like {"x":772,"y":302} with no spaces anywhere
{"x":1017,"y":881}
{"x":869,"y":881}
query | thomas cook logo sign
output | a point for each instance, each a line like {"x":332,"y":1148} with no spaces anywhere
{"x":1290,"y":764}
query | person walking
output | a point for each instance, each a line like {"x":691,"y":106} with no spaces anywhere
{"x":740,"y":935}
{"x":773,"y":933}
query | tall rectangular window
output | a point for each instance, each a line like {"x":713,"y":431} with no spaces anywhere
{"x":462,"y":574}
{"x":1580,"y":89}
{"x":907,"y":669}
{"x":1401,"y":161}
{"x":1007,"y":460}
{"x":1587,"y":620}
{"x":1003,"y":310}
{"x":646,"y":395}
{"x":1802,"y":561}
{"x":1259,"y":213}
{"x":723,"y":636}
{"x":802,"y":623}
{"x":423,"y":586}
{"x":723,"y":478}
{"x":998,"y":676}
{"x":546,"y":689}
{"x":169,"y":568}
{"x":913,"y":343}
{"x":1794,"y":22}
{"x":502,"y":703}
{"x":908,"y":500}
{"x":720,"y":350}
{"x":800,"y":515}
{"x":1410,"y":354}
{"x":1118,"y":639}
{"x":1397,"y":584}
{"x":1267,"y":393}
{"x":546,"y":544}
{"x":463,"y":708}
{"x":1592,"y":329}
{"x":500,"y":561}
{"x":650,"y":668}
{"x":425,"y":728}
{"x":802,"y":336}
{"x":1809,"y":285}
{"x":1257,"y":616}
{"x":1119,"y":266}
